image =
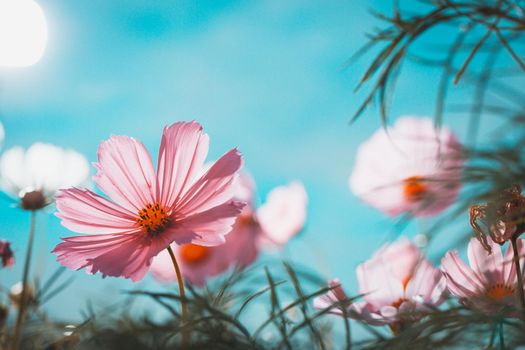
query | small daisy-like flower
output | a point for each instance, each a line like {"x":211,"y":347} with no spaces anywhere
{"x":148,"y":210}
{"x":6,"y":254}
{"x":490,"y":283}
{"x":36,"y":174}
{"x":244,"y":242}
{"x":409,"y":168}
{"x":398,"y":286}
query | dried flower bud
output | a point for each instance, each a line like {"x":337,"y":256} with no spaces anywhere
{"x":502,"y":219}
{"x":6,"y":254}
{"x":15,"y":294}
{"x":32,"y":199}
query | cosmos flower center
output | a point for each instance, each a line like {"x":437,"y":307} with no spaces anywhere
{"x":500,"y":291}
{"x":192,"y":253}
{"x":398,"y":303}
{"x":414,"y":188}
{"x":153,"y":219}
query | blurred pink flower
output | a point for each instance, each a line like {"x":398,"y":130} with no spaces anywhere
{"x":490,"y":283}
{"x":283,"y":214}
{"x":398,"y":285}
{"x":148,"y":210}
{"x":6,"y":254}
{"x":244,"y":241}
{"x":409,"y":168}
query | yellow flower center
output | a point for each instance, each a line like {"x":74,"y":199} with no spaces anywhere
{"x":192,"y":253}
{"x":414,"y":188}
{"x":153,"y":219}
{"x":500,"y":291}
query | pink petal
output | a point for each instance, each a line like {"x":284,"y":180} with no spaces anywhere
{"x":113,"y":255}
{"x":284,"y":213}
{"x":488,"y":266}
{"x":427,"y":283}
{"x":401,"y":256}
{"x":210,"y":226}
{"x":183,"y":150}
{"x":367,"y":312}
{"x":377,"y":284}
{"x":214,"y":188}
{"x":86,"y":212}
{"x":335,"y":295}
{"x":462,"y":281}
{"x":244,"y":190}
{"x":125,"y":172}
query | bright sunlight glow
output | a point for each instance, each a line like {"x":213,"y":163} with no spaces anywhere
{"x":23,"y":33}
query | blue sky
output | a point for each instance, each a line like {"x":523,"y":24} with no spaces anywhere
{"x":265,"y":76}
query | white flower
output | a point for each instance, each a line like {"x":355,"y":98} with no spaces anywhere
{"x":36,"y":174}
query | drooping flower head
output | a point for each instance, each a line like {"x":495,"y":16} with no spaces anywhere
{"x":409,"y":168}
{"x":500,"y":219}
{"x":148,"y":209}
{"x":250,"y":232}
{"x":398,"y":286}
{"x":490,"y":283}
{"x":35,"y":175}
{"x":6,"y":254}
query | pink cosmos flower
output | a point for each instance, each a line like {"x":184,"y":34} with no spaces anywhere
{"x":490,"y":283}
{"x":6,"y":254}
{"x":285,"y":205}
{"x":148,"y":210}
{"x":409,"y":168}
{"x":398,"y":286}
{"x":198,"y":263}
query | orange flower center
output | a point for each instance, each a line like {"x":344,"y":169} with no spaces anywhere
{"x":499,"y":291}
{"x":153,"y":219}
{"x":398,"y":303}
{"x":192,"y":253}
{"x":414,"y":188}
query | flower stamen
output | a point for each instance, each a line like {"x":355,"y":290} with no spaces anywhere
{"x":153,"y":219}
{"x":414,"y":188}
{"x":500,"y":291}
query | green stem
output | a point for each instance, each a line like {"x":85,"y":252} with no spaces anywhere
{"x":181,"y":289}
{"x":501,"y":337}
{"x":25,"y":277}
{"x":519,"y":274}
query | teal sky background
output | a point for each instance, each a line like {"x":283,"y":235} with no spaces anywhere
{"x":265,"y":76}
